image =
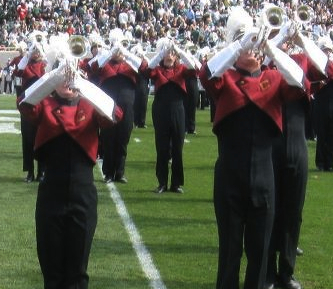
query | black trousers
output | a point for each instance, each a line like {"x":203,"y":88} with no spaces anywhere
{"x":323,"y":114}
{"x":291,"y":172}
{"x":244,"y":196}
{"x":190,"y":103}
{"x":169,"y":125}
{"x":115,"y":141}
{"x":66,"y":216}
{"x":141,"y":101}
{"x":28,"y":132}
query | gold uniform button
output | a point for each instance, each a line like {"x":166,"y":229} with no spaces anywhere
{"x":58,"y":111}
{"x":242,"y":82}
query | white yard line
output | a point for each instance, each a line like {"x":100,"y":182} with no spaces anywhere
{"x":8,"y":118}
{"x":9,"y":111}
{"x":145,"y":259}
{"x":8,"y":127}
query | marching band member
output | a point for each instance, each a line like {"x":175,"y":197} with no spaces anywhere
{"x":168,"y":113}
{"x":323,"y":114}
{"x":291,"y":162}
{"x":67,"y":114}
{"x":141,"y":92}
{"x":85,"y":64}
{"x":15,"y":61}
{"x":192,"y":88}
{"x":247,"y":122}
{"x":117,"y":71}
{"x":31,"y":67}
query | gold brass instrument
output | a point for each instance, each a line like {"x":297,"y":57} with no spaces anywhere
{"x":78,"y":46}
{"x":304,"y":14}
{"x":271,"y":18}
{"x":173,"y":33}
{"x":125,"y":43}
{"x":39,"y":37}
{"x":193,"y":49}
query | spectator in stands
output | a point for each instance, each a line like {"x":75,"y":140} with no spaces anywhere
{"x":8,"y":76}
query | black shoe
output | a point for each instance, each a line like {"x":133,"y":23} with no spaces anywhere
{"x":269,"y":286}
{"x":176,"y":189}
{"x":192,"y":132}
{"x":289,"y":283}
{"x":299,"y":252}
{"x":40,"y":177}
{"x":30,"y":177}
{"x":141,"y":126}
{"x":108,"y":179}
{"x":160,"y":189}
{"x":122,"y":180}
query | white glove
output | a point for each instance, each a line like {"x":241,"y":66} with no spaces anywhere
{"x":224,"y":59}
{"x":133,"y":60}
{"x":249,"y":39}
{"x":23,"y":62}
{"x":44,"y":86}
{"x":317,"y":56}
{"x":287,"y":31}
{"x":197,"y":62}
{"x":291,"y":71}
{"x":102,"y":102}
{"x":104,"y":57}
{"x":186,"y":58}
{"x":157,"y":58}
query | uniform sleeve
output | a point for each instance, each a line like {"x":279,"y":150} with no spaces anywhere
{"x":212,"y":85}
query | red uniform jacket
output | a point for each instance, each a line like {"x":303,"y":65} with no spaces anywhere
{"x":83,"y":65}
{"x":233,"y":91}
{"x":162,"y":75}
{"x":315,"y":79}
{"x":81,"y":122}
{"x":34,"y":69}
{"x":112,"y":69}
{"x":15,"y":61}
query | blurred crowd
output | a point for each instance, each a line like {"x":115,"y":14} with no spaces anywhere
{"x":200,"y":21}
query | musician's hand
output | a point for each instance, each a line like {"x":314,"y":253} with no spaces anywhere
{"x":250,"y":39}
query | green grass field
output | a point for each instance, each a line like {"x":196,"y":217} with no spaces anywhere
{"x":178,"y":231}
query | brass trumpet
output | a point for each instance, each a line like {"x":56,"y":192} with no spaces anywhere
{"x":78,"y":46}
{"x":125,"y":43}
{"x":272,"y":18}
{"x":304,"y":14}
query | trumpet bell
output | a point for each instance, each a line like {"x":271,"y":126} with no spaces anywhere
{"x":193,"y":49}
{"x":125,"y":43}
{"x":39,"y":37}
{"x":78,"y":46}
{"x":273,"y":17}
{"x":304,"y":14}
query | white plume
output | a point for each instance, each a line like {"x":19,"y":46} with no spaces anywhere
{"x":163,"y":42}
{"x":116,"y":35}
{"x":238,"y":22}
